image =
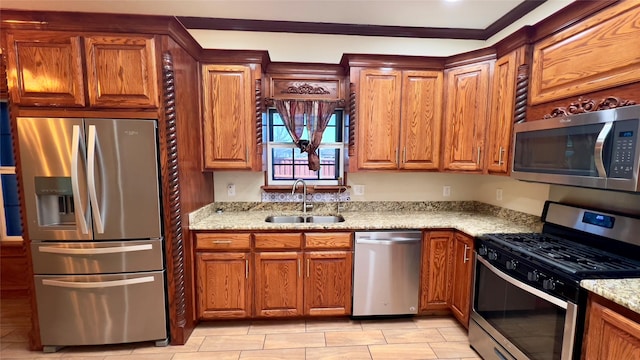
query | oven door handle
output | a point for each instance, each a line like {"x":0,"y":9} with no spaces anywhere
{"x":523,"y":286}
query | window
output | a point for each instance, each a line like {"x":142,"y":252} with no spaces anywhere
{"x":286,"y":162}
{"x":10,"y":227}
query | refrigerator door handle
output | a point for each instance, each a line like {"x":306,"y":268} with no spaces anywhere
{"x":97,"y":284}
{"x":91,"y":179}
{"x":94,"y":251}
{"x":75,"y":187}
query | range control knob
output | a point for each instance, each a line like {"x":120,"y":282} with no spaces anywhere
{"x":511,"y":264}
{"x":533,"y":276}
{"x":482,"y":250}
{"x":549,"y":284}
{"x":493,"y":255}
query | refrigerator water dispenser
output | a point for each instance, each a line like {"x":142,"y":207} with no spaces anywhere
{"x":54,"y":200}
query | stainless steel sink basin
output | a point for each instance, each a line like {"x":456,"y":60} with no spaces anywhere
{"x":284,"y":219}
{"x":319,"y":219}
{"x":330,"y":219}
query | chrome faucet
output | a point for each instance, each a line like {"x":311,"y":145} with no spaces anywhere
{"x":341,"y":189}
{"x":304,"y":195}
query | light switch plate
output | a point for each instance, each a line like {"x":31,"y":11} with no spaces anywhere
{"x":446,"y":191}
{"x":358,"y":190}
{"x":499,"y":194}
{"x":231,"y":190}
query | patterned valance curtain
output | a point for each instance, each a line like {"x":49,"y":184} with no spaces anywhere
{"x":315,"y":114}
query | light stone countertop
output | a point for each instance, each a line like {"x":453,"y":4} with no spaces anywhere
{"x":470,"y":222}
{"x":625,"y":292}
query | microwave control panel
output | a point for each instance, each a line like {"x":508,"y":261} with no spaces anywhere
{"x":623,"y":157}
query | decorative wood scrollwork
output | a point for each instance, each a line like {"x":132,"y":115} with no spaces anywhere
{"x":352,"y":119}
{"x":306,"y":89}
{"x":258,"y":98}
{"x":174,"y":209}
{"x":589,"y":105}
{"x":522,"y":84}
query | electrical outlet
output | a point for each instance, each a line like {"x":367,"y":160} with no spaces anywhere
{"x":499,"y":194}
{"x":446,"y":191}
{"x":231,"y":190}
{"x":358,"y":190}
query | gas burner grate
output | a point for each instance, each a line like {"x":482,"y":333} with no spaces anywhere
{"x":565,"y":254}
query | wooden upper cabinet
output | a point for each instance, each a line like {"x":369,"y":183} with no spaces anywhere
{"x":121,"y":71}
{"x":228,"y":117}
{"x":598,"y":53}
{"x":399,"y":119}
{"x":421,"y":120}
{"x":379,"y":119}
{"x":501,"y":116}
{"x":466,"y":113}
{"x":45,"y":69}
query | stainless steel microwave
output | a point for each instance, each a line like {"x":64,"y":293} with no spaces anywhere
{"x":597,"y":149}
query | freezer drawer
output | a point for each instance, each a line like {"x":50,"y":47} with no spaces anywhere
{"x":101,"y":309}
{"x":96,"y":257}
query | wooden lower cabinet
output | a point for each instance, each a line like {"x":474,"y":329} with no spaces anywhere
{"x":462,"y":272}
{"x":278,"y":283}
{"x":610,"y":335}
{"x":436,"y":270}
{"x":223,"y":285}
{"x":327,"y":284}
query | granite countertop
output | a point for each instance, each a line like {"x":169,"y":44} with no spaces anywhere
{"x":470,"y":220}
{"x":625,"y":292}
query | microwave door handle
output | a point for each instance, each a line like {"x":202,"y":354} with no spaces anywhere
{"x":598,"y":154}
{"x":91,"y":179}
{"x":75,"y":187}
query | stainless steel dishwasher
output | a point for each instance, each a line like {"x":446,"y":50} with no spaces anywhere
{"x":386,"y":273}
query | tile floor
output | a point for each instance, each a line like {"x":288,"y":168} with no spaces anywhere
{"x":408,"y":338}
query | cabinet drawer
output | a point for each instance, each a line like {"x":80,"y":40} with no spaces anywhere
{"x":328,"y":240}
{"x":223,"y":241}
{"x":278,"y":241}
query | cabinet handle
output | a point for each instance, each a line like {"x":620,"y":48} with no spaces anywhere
{"x":221,"y":241}
{"x":404,"y":155}
{"x":308,"y":263}
{"x":246,"y":268}
{"x":465,"y":258}
{"x":397,"y":157}
{"x":500,"y":155}
{"x":478,"y":162}
{"x":246,"y":153}
{"x":299,"y":268}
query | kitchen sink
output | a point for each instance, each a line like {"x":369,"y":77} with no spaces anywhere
{"x":319,"y":219}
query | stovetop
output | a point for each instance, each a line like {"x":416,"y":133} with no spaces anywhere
{"x":574,"y":258}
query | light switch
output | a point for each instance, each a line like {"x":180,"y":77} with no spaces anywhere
{"x":231,"y":190}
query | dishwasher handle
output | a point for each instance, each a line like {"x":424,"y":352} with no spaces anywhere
{"x":393,"y":241}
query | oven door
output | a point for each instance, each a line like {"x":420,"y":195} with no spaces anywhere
{"x":509,"y":315}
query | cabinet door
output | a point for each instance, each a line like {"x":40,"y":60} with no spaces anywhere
{"x":421,"y":120}
{"x":279,"y":284}
{"x":501,"y":115}
{"x":466,"y":116}
{"x":121,"y":71}
{"x":45,"y":68}
{"x":223,"y":285}
{"x":228,"y":116}
{"x":436,"y":270}
{"x":378,"y":119}
{"x":462,"y":277}
{"x":610,"y":335}
{"x":327,"y":288}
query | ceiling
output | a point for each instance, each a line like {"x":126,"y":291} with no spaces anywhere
{"x":462,"y":19}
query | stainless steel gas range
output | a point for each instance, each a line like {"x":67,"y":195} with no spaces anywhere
{"x":527,"y":302}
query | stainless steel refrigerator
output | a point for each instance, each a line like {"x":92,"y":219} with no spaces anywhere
{"x":94,"y":219}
